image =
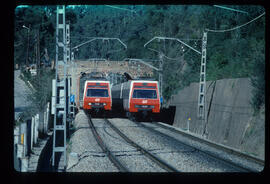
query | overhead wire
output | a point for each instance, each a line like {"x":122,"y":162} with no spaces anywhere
{"x":121,"y":8}
{"x":237,"y":27}
{"x":231,"y":9}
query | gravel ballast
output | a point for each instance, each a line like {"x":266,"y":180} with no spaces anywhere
{"x":85,"y":155}
{"x":253,"y":167}
{"x":134,"y":160}
{"x":180,"y":156}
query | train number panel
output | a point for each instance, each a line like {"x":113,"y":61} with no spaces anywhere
{"x":97,"y":94}
{"x":144,"y":96}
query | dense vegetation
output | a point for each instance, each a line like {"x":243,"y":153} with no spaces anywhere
{"x":232,"y":54}
{"x":40,"y":90}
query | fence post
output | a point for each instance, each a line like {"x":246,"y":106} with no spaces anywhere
{"x":47,"y":117}
{"x":41,"y":122}
{"x":36,"y":128}
{"x":32,"y":131}
{"x":44,"y":121}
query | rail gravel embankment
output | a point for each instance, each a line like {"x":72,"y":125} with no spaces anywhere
{"x":84,"y":154}
{"x":133,"y":159}
{"x":181,"y":156}
{"x":217,"y":150}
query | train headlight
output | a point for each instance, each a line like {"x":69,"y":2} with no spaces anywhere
{"x":89,"y":104}
{"x":104,"y":103}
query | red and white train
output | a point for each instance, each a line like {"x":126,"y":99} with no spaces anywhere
{"x":137,"y":96}
{"x":97,"y":95}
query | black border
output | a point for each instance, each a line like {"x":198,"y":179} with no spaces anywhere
{"x":8,"y":77}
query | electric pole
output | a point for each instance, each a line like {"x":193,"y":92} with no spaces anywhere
{"x":37,"y":53}
{"x":202,"y":84}
{"x":27,"y":52}
{"x":161,"y":56}
{"x":160,"y":73}
{"x":60,"y":88}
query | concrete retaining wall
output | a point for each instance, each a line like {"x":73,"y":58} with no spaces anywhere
{"x":228,"y":102}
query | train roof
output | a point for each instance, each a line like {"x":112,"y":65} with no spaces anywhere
{"x":139,"y":81}
{"x":145,"y":81}
{"x":100,"y":81}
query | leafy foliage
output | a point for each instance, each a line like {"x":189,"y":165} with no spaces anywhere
{"x":42,"y":89}
{"x":258,"y":73}
{"x":233,"y":54}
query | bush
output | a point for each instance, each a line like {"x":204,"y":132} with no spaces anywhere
{"x":258,"y":74}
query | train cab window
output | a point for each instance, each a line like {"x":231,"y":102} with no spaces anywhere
{"x":140,"y":93}
{"x":97,"y":93}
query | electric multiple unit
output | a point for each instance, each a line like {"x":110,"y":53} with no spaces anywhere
{"x":97,"y":95}
{"x":137,"y":95}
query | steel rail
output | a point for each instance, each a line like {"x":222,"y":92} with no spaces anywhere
{"x":240,"y":167}
{"x":112,"y":158}
{"x":156,"y":160}
{"x":218,"y":146}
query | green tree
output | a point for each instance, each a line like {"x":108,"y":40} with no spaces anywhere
{"x":258,"y":73}
{"x":37,"y":18}
{"x":42,"y":89}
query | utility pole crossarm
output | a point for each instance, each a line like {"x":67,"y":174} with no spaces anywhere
{"x":77,"y":46}
{"x":99,"y":38}
{"x":168,"y":38}
{"x":149,"y":41}
{"x":121,"y":42}
{"x":189,"y":46}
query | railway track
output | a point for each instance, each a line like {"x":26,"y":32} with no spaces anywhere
{"x":113,"y":158}
{"x":179,"y":153}
{"x":215,"y":145}
{"x":228,"y":150}
{"x":105,"y":149}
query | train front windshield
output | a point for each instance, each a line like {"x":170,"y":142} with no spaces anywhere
{"x":97,"y":93}
{"x":140,"y":93}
